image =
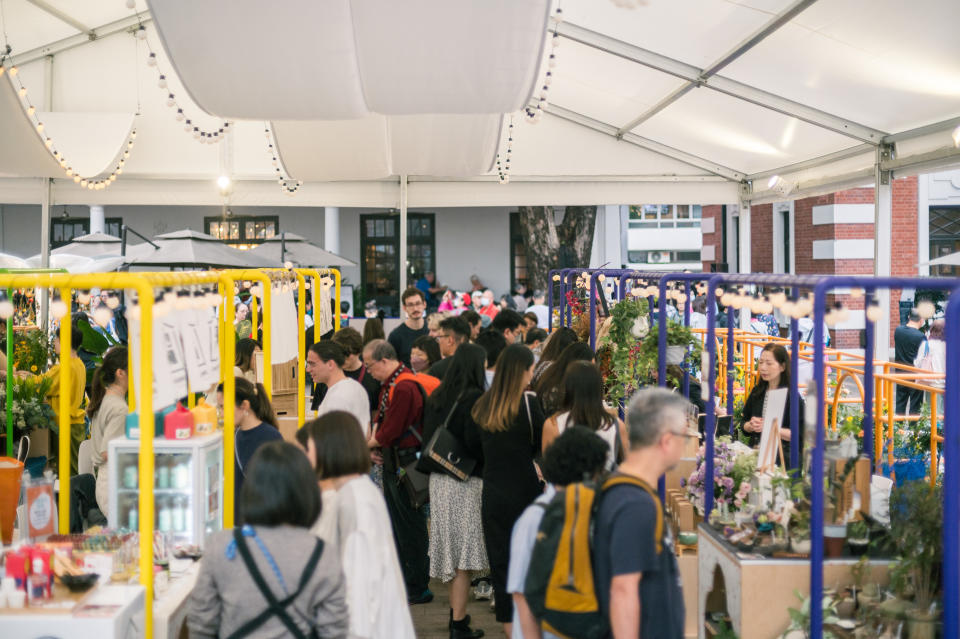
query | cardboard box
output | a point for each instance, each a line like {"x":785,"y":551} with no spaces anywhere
{"x":686,"y":522}
{"x":682,"y":470}
{"x":288,"y":428}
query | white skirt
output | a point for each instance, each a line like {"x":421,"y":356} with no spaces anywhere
{"x":456,"y":532}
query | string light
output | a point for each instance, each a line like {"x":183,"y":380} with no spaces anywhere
{"x":874,"y":312}
{"x":90,"y":183}
{"x":58,"y":308}
{"x":211,"y":136}
{"x":926,"y":309}
{"x":503,"y":170}
{"x":535,"y":112}
{"x":287,"y":184}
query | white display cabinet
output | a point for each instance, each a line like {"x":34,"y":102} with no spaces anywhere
{"x":187,"y":486}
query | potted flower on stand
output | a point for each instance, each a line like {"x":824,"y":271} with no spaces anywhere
{"x":916,"y":523}
{"x":799,"y":529}
{"x":858,"y":537}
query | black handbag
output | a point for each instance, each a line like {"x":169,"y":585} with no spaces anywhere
{"x":446,"y":454}
{"x":415,"y":483}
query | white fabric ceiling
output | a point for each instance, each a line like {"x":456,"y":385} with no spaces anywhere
{"x":807,"y":99}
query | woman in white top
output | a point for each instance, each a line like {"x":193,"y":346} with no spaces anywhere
{"x":354,"y":520}
{"x":583,"y":406}
{"x":245,"y":364}
{"x":107,"y":411}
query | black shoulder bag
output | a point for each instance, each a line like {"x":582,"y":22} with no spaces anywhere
{"x":444,"y":453}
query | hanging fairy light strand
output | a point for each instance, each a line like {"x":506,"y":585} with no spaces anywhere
{"x":204,"y":136}
{"x":287,"y":183}
{"x":535,"y":112}
{"x":503,"y":167}
{"x":93,"y":183}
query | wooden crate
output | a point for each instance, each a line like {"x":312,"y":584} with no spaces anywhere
{"x":285,"y":377}
{"x":285,"y":403}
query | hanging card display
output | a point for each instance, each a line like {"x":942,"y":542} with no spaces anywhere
{"x":169,"y":371}
{"x":322,"y":312}
{"x":201,"y":372}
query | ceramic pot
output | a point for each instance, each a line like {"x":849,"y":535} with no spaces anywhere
{"x":858,"y":547}
{"x":800,"y":546}
{"x":921,"y":624}
{"x":675,"y":354}
{"x":845,"y":608}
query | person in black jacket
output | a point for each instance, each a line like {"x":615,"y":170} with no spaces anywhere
{"x":774,"y":369}
{"x":511,"y":432}
{"x":456,"y":533}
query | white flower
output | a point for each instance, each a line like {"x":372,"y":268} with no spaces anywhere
{"x":640,"y":327}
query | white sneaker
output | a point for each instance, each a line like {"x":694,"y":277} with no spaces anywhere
{"x":483,"y":590}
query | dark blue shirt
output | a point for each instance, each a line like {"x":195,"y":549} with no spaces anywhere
{"x":247,"y":443}
{"x":625,"y":544}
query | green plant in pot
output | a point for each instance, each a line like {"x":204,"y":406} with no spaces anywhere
{"x":628,"y":325}
{"x":916,"y":523}
{"x":682,"y":345}
{"x":799,"y":528}
{"x":858,"y":537}
{"x":867,"y":592}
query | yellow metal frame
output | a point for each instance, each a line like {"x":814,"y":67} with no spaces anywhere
{"x":144,"y":284}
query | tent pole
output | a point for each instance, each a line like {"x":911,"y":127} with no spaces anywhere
{"x":45,"y":196}
{"x":882,"y":245}
{"x":402,"y":274}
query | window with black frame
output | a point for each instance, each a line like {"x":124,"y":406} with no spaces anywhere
{"x":380,"y":248}
{"x":242,"y":231}
{"x":64,"y":230}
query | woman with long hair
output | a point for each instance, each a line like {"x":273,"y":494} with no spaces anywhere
{"x":583,"y":406}
{"x":271,"y":557}
{"x":510,"y":436}
{"x":255,"y":422}
{"x":245,"y":364}
{"x":355,"y":522}
{"x":373,"y":329}
{"x":107,"y":410}
{"x":549,"y":388}
{"x":558,"y":340}
{"x":456,"y":530}
{"x":774,"y":369}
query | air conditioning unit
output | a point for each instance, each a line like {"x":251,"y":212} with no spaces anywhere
{"x":658,"y":257}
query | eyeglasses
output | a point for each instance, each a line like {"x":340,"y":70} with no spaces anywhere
{"x":413,"y":304}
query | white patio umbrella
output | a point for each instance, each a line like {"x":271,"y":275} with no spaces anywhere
{"x":91,"y":245}
{"x":12,"y":261}
{"x":290,"y":247}
{"x":192,"y":249}
{"x":952,"y":259}
{"x":77,"y":264}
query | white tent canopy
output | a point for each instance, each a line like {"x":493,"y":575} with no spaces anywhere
{"x":700,"y":101}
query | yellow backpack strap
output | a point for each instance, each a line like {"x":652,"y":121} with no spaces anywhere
{"x":616,"y":480}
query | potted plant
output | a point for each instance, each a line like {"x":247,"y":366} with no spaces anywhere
{"x":628,"y":325}
{"x":799,"y":528}
{"x":916,"y":522}
{"x":681,"y":344}
{"x":858,"y":537}
{"x":799,"y":627}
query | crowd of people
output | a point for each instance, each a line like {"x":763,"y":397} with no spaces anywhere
{"x":524,"y":422}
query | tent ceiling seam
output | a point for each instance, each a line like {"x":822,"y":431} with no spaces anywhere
{"x":585,"y":121}
{"x":722,"y":84}
{"x":741,"y":48}
{"x":80,"y":39}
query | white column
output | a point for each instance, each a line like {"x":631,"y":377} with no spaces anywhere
{"x":331,"y":229}
{"x":97,"y":220}
{"x":882,"y":245}
{"x":745,"y":265}
{"x":402,"y":262}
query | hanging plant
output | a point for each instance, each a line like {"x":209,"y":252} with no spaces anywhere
{"x":677,"y":335}
{"x":621,"y":346}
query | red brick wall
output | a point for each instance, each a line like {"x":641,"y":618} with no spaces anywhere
{"x":761,"y":238}
{"x":715,"y":239}
{"x":903,"y":258}
{"x":805,"y":233}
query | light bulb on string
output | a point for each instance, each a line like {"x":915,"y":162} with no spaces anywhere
{"x":31,"y":110}
{"x":152,"y":59}
{"x":777,"y":298}
{"x":169,"y":297}
{"x":133,"y":313}
{"x":843,"y":313}
{"x":113,"y":301}
{"x":787,"y":308}
{"x":874,"y":312}
{"x":13,"y":71}
{"x":142,"y":33}
{"x":83,"y":297}
{"x":58,"y":308}
{"x":856,"y":293}
{"x":6,"y":306}
{"x":926,"y":309}
{"x":183,"y":301}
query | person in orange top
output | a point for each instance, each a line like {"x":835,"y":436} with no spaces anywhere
{"x":487,"y":307}
{"x":78,"y":379}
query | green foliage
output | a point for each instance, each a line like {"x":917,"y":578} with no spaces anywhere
{"x":31,"y":351}
{"x":677,"y":335}
{"x":620,"y":346}
{"x":30,"y":410}
{"x":916,"y":524}
{"x":800,"y":617}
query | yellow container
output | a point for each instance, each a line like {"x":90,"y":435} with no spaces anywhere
{"x":204,"y":418}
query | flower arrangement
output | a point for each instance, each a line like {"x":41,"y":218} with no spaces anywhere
{"x":733,"y":466}
{"x":31,"y":351}
{"x":628,"y":325}
{"x":30,"y":409}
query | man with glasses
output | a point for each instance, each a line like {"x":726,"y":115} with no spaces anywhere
{"x":454,"y":331}
{"x":403,"y":336}
{"x":635,"y":567}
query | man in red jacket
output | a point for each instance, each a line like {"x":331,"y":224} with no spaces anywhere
{"x":397,"y":425}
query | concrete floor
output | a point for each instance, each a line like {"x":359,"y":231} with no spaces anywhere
{"x":430,"y":620}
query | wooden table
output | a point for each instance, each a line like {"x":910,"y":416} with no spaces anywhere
{"x":757,"y":591}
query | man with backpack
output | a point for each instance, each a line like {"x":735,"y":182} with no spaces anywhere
{"x":576,"y":454}
{"x":397,"y":429}
{"x":635,"y":567}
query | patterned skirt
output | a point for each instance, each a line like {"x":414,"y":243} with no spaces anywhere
{"x":456,"y":532}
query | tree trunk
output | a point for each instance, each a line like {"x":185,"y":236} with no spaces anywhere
{"x":549,"y":246}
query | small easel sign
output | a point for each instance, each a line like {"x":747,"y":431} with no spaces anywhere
{"x":774,"y":402}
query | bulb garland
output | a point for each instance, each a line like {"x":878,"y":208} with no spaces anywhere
{"x":287,"y":183}
{"x":503,"y":169}
{"x":92,"y":183}
{"x":535,"y":112}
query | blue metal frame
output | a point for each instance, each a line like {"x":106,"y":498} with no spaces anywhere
{"x":951,"y":468}
{"x":687,"y":279}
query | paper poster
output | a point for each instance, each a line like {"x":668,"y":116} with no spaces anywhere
{"x":774,"y":402}
{"x":40,"y":511}
{"x":169,"y":370}
{"x":194,"y":334}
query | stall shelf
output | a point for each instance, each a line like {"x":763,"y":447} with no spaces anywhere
{"x":108,"y":612}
